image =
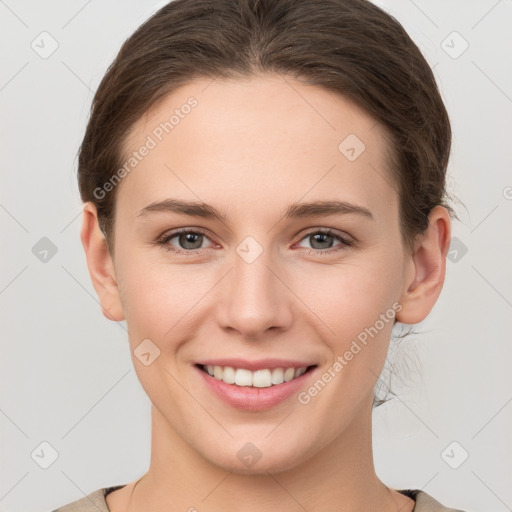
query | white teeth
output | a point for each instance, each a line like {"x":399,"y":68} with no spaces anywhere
{"x":217,"y":372}
{"x":300,"y":371}
{"x":242,"y":377}
{"x":228,"y":375}
{"x":277,"y":376}
{"x":262,"y":379}
{"x":289,"y":374}
{"x":258,"y":379}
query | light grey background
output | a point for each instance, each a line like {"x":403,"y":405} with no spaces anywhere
{"x":66,"y":374}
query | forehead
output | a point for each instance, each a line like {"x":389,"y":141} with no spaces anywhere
{"x":247,"y":139}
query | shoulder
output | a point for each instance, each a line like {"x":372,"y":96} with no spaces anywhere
{"x":96,"y":502}
{"x":425,"y":502}
{"x":93,"y":502}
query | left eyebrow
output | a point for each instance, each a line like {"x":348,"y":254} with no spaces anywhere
{"x":320,"y":208}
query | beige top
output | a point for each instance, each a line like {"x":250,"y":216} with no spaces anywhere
{"x":95,"y":502}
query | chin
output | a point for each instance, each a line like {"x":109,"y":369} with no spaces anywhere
{"x":247,"y":459}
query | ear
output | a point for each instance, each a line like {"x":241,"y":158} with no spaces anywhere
{"x":100,"y":264}
{"x":427,"y":266}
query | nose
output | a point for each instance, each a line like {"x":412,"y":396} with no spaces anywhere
{"x":256,"y":298}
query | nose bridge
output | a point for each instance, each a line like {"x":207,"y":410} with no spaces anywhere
{"x":256,"y":299}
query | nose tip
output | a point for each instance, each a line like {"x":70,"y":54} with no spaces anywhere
{"x":256,"y":300}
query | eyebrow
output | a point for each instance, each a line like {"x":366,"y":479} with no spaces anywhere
{"x":295,"y":210}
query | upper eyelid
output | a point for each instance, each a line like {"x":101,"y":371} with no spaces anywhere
{"x":179,"y":231}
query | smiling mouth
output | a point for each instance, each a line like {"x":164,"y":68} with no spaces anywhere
{"x":263,"y":378}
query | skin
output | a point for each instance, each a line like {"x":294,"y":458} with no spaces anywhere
{"x":250,"y":148}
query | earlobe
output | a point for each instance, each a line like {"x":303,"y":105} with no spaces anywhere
{"x":100,"y":264}
{"x":427,"y":267}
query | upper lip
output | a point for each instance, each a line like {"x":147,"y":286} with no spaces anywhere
{"x":260,"y":364}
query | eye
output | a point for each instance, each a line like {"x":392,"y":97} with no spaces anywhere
{"x":322,"y":240}
{"x":187,"y":241}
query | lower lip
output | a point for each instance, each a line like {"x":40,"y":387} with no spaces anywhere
{"x":254,"y":399}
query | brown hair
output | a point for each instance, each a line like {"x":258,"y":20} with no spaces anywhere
{"x":351,"y":47}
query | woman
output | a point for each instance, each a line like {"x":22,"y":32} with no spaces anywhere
{"x":264,"y":189}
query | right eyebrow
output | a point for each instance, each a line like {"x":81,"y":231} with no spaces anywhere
{"x":191,"y":208}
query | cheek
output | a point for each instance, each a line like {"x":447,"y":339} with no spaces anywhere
{"x":351,"y":296}
{"x":358,"y":303}
{"x":160,"y":298}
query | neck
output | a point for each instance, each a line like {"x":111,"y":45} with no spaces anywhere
{"x":340,"y":477}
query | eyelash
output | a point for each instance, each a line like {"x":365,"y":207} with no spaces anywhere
{"x":345,"y":242}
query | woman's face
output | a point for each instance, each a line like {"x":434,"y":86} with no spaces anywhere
{"x":258,"y":287}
